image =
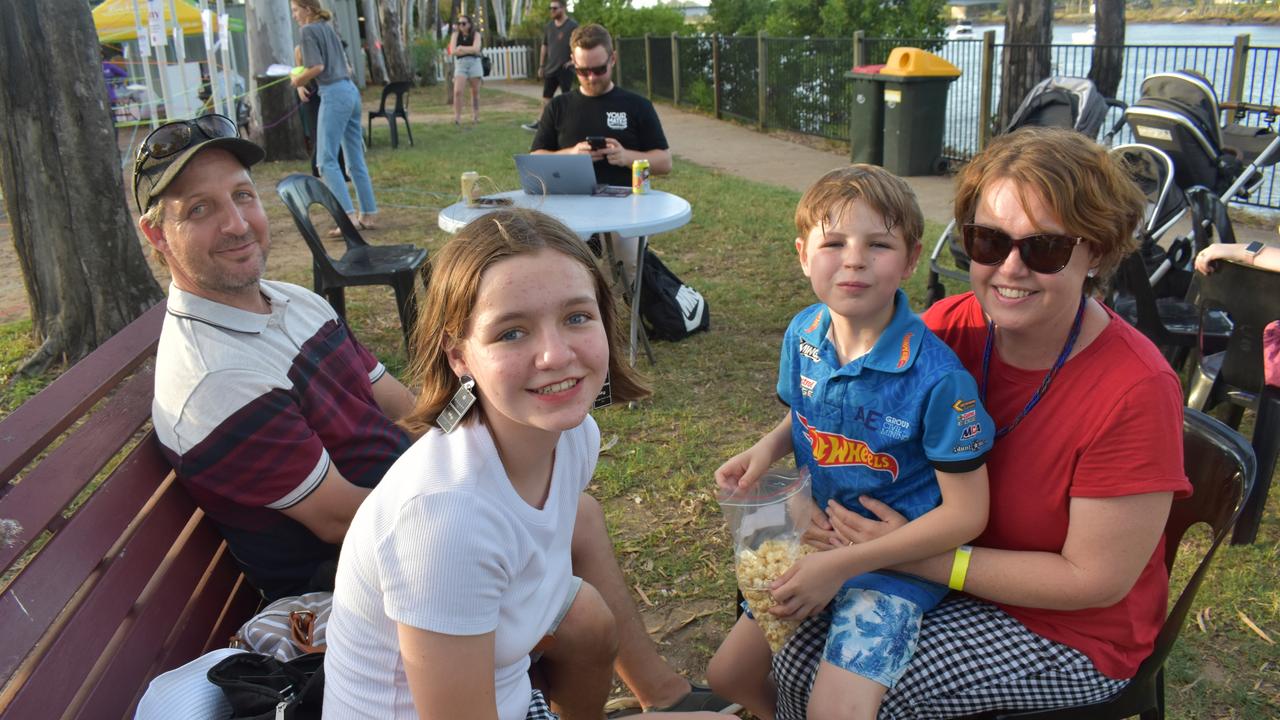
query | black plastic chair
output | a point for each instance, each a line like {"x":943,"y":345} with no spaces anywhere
{"x":400,"y":89}
{"x":362,"y":263}
{"x":1221,"y":467}
{"x":1251,"y":297}
{"x":1174,"y":325}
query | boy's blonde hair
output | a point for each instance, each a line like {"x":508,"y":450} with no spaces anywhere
{"x":885,"y":192}
{"x":453,"y":285}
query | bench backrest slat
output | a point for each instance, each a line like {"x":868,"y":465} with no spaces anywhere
{"x":142,"y":634}
{"x":42,"y":494}
{"x":58,"y":577}
{"x":26,"y":432}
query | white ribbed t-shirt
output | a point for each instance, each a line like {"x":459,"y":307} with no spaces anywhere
{"x":444,"y":543}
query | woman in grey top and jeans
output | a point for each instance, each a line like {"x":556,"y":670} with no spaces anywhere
{"x":339,"y":123}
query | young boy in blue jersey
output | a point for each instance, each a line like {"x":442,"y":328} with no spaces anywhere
{"x":880,"y":410}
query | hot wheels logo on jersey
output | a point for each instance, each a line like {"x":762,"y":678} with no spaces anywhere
{"x":616,"y":120}
{"x":832,"y":450}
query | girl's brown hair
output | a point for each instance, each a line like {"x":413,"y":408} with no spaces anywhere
{"x":1089,"y":191}
{"x":313,"y":7}
{"x":454,"y":283}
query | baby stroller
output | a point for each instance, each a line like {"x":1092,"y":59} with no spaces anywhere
{"x":1057,"y":101}
{"x":1177,"y":114}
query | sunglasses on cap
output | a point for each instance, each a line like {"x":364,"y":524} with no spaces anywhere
{"x":172,"y":138}
{"x":600,"y":70}
{"x":1045,"y":253}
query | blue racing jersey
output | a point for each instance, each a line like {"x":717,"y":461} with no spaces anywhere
{"x":881,"y":424}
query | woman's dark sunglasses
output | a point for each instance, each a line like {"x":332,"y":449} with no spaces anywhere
{"x":1045,"y":253}
{"x":600,"y":70}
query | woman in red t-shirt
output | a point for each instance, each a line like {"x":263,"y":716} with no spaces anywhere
{"x":1065,"y":591}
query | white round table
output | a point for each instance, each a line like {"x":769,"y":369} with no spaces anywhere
{"x":637,"y":216}
{"x":632,"y":216}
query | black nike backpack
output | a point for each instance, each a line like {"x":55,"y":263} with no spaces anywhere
{"x":671,"y":310}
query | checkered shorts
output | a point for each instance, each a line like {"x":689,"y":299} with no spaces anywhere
{"x":972,"y":658}
{"x":539,"y":709}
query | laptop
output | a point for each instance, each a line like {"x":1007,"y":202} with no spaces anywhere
{"x":560,"y":175}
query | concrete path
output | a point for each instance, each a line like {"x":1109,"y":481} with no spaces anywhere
{"x":764,"y":158}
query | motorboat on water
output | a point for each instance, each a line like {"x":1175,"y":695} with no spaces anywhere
{"x":962,"y":30}
{"x":1085,"y":37}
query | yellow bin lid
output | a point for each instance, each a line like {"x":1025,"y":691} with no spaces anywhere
{"x":914,"y":62}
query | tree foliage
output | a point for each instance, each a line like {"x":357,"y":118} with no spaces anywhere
{"x":619,"y":17}
{"x":829,"y":18}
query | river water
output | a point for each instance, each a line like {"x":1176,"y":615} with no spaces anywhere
{"x":1166,"y":34}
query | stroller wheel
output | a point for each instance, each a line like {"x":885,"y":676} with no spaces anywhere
{"x":934,"y":291}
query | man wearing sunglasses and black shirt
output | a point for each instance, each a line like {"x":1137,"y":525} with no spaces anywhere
{"x":627,"y":122}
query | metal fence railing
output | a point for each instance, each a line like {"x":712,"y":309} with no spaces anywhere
{"x":805,"y":89}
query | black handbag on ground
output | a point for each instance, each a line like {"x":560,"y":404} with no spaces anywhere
{"x":671,"y":309}
{"x":486,"y":64}
{"x":260,"y":687}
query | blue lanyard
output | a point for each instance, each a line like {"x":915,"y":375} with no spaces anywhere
{"x":1044,"y":386}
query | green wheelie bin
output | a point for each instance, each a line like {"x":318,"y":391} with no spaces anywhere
{"x":866,"y":115}
{"x":915,"y":85}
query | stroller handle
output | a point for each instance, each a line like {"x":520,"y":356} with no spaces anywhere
{"x":1240,"y":108}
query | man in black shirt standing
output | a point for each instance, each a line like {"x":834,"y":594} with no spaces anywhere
{"x":627,"y":121}
{"x":555,"y":68}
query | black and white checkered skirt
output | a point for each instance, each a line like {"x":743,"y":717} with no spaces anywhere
{"x":972,"y":657}
{"x":539,"y":709}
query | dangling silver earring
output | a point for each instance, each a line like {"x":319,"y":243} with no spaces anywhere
{"x":458,"y":406}
{"x":604,"y":398}
{"x":1093,"y":272}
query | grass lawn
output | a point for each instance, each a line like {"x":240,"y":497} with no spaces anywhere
{"x":714,"y":395}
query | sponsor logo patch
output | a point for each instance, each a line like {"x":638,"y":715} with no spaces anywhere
{"x":832,"y":450}
{"x":964,"y":406}
{"x":616,"y":120}
{"x":965,"y":418}
{"x":806,"y":386}
{"x":904,"y":354}
{"x":809,"y":350}
{"x":974,"y":446}
{"x":971,"y":431}
{"x":895,"y":428}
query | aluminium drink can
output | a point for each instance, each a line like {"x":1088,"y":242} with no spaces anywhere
{"x":640,"y":176}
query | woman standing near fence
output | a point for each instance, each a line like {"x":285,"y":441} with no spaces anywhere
{"x":339,"y":123}
{"x":467,"y":68}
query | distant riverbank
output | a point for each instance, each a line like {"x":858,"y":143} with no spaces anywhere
{"x":1208,"y":15}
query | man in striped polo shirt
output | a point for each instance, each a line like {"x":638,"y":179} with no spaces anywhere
{"x":275,"y":418}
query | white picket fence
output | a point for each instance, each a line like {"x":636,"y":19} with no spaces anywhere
{"x":509,"y":63}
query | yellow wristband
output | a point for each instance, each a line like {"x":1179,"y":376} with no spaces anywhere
{"x":960,"y":567}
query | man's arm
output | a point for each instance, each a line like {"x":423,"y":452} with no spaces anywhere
{"x":328,"y":510}
{"x":393,"y":398}
{"x":659,"y":160}
{"x":542,"y":59}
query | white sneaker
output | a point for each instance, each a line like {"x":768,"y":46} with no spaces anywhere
{"x":531,"y":127}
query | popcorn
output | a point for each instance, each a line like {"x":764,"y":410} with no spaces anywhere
{"x":756,"y":570}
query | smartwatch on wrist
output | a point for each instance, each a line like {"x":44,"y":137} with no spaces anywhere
{"x":1252,"y":249}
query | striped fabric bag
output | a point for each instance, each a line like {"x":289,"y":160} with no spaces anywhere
{"x":288,"y":627}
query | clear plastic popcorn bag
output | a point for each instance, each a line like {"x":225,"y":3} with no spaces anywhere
{"x":767,"y":522}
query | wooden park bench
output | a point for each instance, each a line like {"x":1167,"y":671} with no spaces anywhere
{"x":110,"y":574}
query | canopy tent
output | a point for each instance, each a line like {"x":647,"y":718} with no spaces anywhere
{"x":115,"y":19}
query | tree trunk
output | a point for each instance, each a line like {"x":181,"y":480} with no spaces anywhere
{"x":373,"y":38}
{"x":270,"y":31}
{"x":393,"y":48}
{"x":1028,"y":30}
{"x":1108,"y":50}
{"x":84,"y":271}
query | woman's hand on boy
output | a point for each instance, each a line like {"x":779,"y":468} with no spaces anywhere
{"x":852,"y":528}
{"x":807,"y":586}
{"x":820,"y":534}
